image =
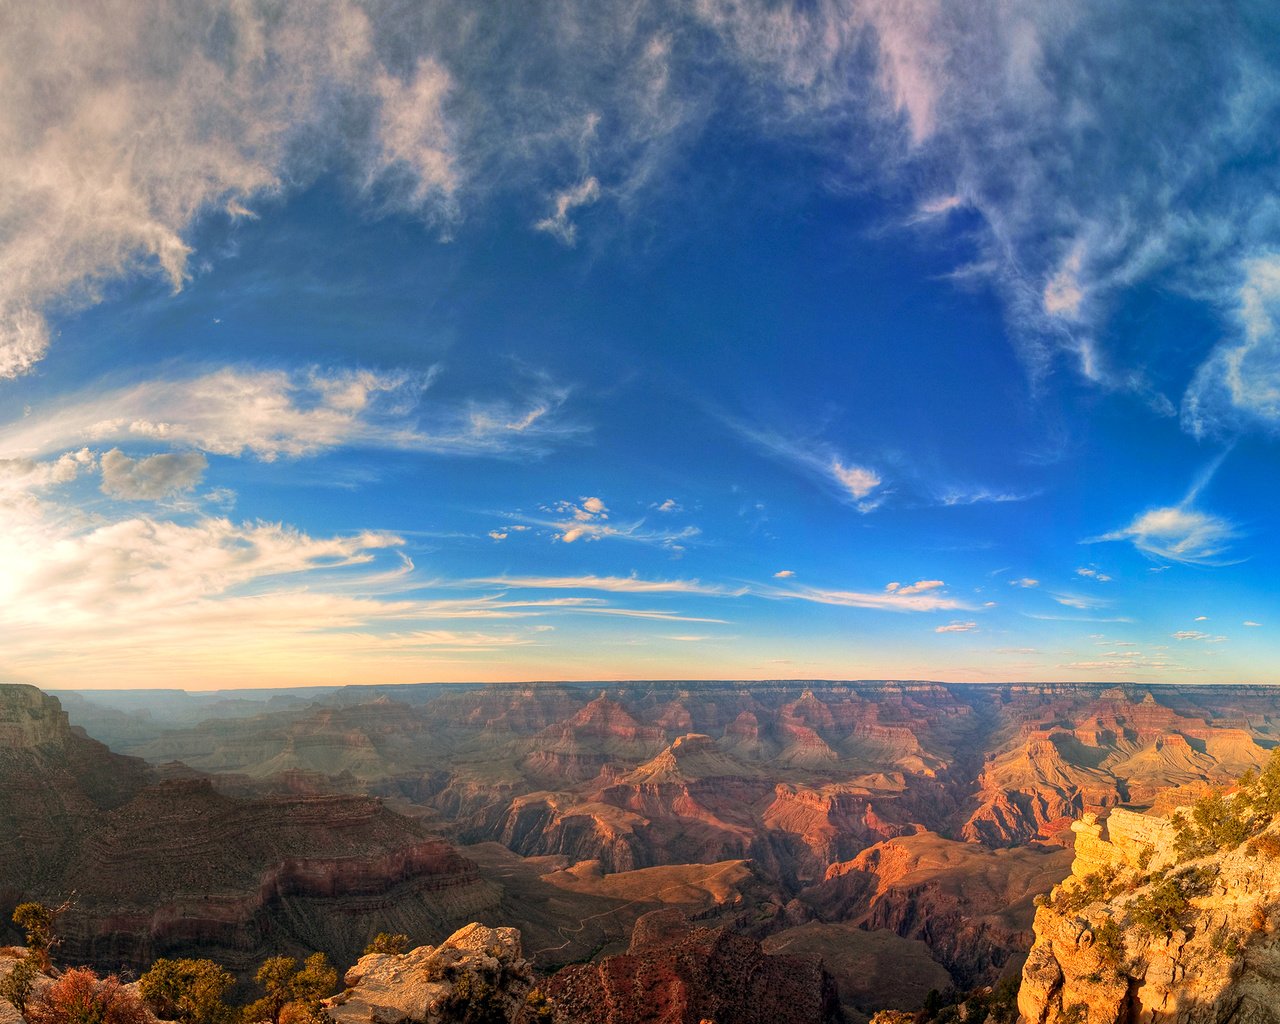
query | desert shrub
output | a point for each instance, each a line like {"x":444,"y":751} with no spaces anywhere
{"x":385,"y":942}
{"x":539,"y":1009}
{"x":1264,"y":793}
{"x":1076,"y":1013}
{"x":189,"y":991}
{"x":285,"y":984}
{"x":1108,"y":940}
{"x":79,"y":997}
{"x":16,"y":985}
{"x":1162,"y":909}
{"x":1091,"y":888}
{"x":1215,"y":823}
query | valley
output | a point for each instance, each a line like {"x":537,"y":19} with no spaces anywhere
{"x":872,"y":823}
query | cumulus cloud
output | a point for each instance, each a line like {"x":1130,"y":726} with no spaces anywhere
{"x":957,"y":627}
{"x":1250,"y":622}
{"x":152,"y":477}
{"x":1089,"y":573}
{"x":1025,"y":581}
{"x":29,"y":475}
{"x":273,"y":413}
{"x":784,"y":574}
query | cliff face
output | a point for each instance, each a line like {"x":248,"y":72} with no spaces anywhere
{"x":1132,"y":936}
{"x":163,"y":868}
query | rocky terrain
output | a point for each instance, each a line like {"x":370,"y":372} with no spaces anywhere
{"x":1142,"y":932}
{"x":923,"y":816}
{"x":674,"y":973}
{"x":159,"y":867}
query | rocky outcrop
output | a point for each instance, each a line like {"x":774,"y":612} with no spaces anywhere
{"x":476,"y":974}
{"x":1134,"y":936}
{"x":674,"y":973}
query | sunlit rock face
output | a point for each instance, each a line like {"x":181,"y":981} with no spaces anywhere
{"x":1216,"y":959}
{"x":477,"y":973}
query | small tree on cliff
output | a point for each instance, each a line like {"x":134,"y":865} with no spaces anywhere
{"x":290,"y":993}
{"x":189,"y":991}
{"x":385,"y":942}
{"x":79,"y":997}
{"x":36,"y":920}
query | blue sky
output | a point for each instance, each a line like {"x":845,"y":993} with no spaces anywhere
{"x":377,"y":343}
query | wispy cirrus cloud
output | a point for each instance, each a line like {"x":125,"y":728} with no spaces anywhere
{"x":612,"y":584}
{"x":851,"y":482}
{"x":274,"y":413}
{"x":912,"y":600}
{"x":957,"y":627}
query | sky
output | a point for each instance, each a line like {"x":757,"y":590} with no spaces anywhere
{"x":453,"y":341}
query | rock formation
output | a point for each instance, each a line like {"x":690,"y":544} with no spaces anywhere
{"x":1137,"y":935}
{"x":476,"y":974}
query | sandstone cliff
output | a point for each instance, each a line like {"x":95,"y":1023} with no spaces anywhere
{"x":1139,"y":935}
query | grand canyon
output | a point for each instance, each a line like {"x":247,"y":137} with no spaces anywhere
{"x":894,"y":836}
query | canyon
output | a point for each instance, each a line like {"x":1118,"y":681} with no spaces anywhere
{"x":870,"y":823}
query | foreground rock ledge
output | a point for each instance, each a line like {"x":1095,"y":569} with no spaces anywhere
{"x":477,"y":968}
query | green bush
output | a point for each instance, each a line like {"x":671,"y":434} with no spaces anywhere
{"x":385,"y":942}
{"x":189,"y":991}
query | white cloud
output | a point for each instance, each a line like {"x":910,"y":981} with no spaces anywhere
{"x":611,"y":584}
{"x":26,"y":475}
{"x":124,"y":123}
{"x":1238,"y":385}
{"x":150,"y":478}
{"x":558,"y":223}
{"x":853,"y":483}
{"x":957,"y":627}
{"x":1093,"y":574}
{"x":784,"y":574}
{"x":888,"y":600}
{"x":499,"y":534}
{"x":670,"y":505}
{"x":981,"y":495}
{"x":859,"y":481}
{"x":919,"y":587}
{"x":1178,"y":533}
{"x":273,"y":413}
{"x":1026,"y":581}
{"x":588,"y":520}
{"x":1192,"y":634}
{"x":1202,"y":618}
{"x":1250,"y":622}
